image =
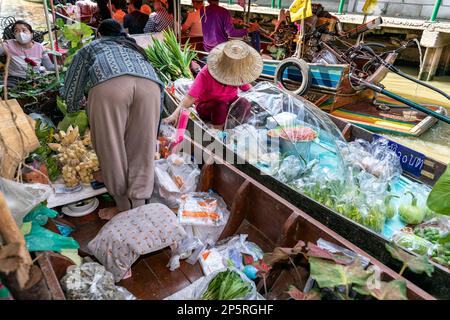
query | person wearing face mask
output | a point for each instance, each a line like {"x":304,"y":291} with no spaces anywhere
{"x":123,"y":106}
{"x":25,"y":54}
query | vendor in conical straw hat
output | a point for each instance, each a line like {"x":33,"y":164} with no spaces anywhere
{"x":231,"y":66}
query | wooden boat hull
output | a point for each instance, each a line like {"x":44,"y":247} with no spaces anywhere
{"x":252,"y":206}
{"x":371,"y":242}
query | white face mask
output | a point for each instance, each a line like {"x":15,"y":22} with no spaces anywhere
{"x":23,"y":37}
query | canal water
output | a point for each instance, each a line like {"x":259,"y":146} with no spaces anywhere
{"x":30,"y":11}
{"x":435,"y":142}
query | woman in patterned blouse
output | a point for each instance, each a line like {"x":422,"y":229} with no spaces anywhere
{"x":159,"y":20}
{"x":123,"y":106}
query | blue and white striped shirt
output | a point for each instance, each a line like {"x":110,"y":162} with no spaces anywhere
{"x":159,"y":21}
{"x":99,"y":61}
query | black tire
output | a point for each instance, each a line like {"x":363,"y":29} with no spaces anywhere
{"x":304,"y":70}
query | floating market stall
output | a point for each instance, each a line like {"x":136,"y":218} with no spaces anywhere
{"x":249,"y":237}
{"x":359,"y":189}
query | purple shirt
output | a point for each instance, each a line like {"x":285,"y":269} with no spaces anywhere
{"x":217,"y":26}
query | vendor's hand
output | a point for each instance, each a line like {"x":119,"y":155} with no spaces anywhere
{"x":254,"y":26}
{"x":171,"y":120}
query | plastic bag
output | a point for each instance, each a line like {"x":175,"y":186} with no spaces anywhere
{"x":42,"y":239}
{"x":376,"y":158}
{"x":184,"y":249}
{"x":433,"y":229}
{"x":40,"y":215}
{"x":165,"y":141}
{"x":175,"y":176}
{"x":91,"y":281}
{"x":233,"y":249}
{"x":211,"y":260}
{"x":203,"y":286}
{"x":334,"y":248}
{"x":410,"y":241}
{"x":202,"y":208}
{"x":22,"y":198}
{"x":182,"y":87}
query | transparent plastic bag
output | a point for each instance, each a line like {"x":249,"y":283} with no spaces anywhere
{"x":377,"y":158}
{"x":411,"y":242}
{"x":203,"y":286}
{"x":182,"y":87}
{"x":334,"y":248}
{"x":91,"y":281}
{"x":233,"y":249}
{"x":202,"y":208}
{"x":175,"y":176}
{"x":184,"y":249}
{"x":22,"y":198}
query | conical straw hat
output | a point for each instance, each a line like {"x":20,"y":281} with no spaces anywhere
{"x":234,"y":63}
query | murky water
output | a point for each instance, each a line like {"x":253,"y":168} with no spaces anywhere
{"x":30,"y":11}
{"x":436,"y":141}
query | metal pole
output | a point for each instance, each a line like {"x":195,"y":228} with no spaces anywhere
{"x":341,"y":6}
{"x":50,"y":35}
{"x":434,"y":14}
{"x":279,"y":4}
{"x":272,"y":4}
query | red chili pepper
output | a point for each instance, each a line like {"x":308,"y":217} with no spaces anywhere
{"x":30,"y":62}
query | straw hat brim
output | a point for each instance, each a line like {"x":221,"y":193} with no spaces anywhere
{"x":237,"y":70}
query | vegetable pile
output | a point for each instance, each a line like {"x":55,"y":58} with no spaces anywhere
{"x":227,"y":285}
{"x":76,"y":157}
{"x":170,"y":61}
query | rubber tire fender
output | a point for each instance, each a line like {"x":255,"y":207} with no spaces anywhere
{"x":301,"y":65}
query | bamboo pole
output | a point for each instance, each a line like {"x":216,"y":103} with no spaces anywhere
{"x":50,"y":35}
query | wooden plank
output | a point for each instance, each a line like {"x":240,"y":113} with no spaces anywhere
{"x":238,"y":210}
{"x":169,"y":281}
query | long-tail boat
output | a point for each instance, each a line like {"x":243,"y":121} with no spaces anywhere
{"x":252,"y":206}
{"x":368,"y":240}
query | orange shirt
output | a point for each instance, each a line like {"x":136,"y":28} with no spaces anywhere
{"x":119,"y":15}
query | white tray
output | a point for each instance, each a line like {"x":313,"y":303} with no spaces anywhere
{"x":61,"y":199}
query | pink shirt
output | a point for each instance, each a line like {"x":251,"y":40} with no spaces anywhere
{"x":19,"y":66}
{"x":206,"y":88}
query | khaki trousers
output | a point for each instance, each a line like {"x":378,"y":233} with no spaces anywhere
{"x":124,"y":115}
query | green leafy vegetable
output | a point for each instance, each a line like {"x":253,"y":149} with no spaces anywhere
{"x":418,"y":264}
{"x":78,"y":118}
{"x":227,"y":285}
{"x":393,"y":290}
{"x":78,"y":34}
{"x":170,"y":61}
{"x":439,"y":197}
{"x":330,"y":275}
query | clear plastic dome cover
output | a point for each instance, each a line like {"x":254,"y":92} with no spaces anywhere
{"x":283,"y":135}
{"x":289,"y":138}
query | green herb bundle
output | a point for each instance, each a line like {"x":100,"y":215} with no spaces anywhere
{"x":227,"y":285}
{"x":170,"y":61}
